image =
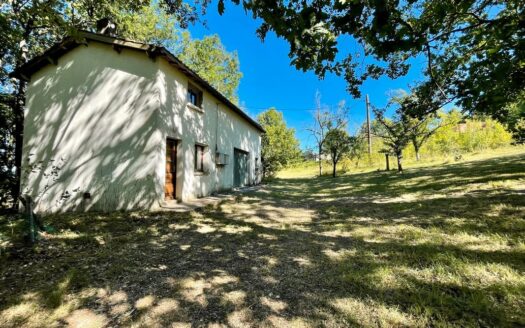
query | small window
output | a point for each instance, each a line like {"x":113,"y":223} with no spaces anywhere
{"x":194,"y":96}
{"x":199,"y":158}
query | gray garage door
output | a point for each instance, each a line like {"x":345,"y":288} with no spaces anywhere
{"x":240,"y":168}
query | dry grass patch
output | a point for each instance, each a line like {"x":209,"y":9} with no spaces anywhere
{"x":436,"y":246}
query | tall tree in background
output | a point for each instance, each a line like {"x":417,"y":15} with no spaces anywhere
{"x":211,"y":61}
{"x":358,"y":147}
{"x":422,"y":131}
{"x":516,"y":119}
{"x":207,"y":56}
{"x":280,"y":147}
{"x":7,"y":175}
{"x":395,"y":136}
{"x":419,"y":129}
{"x":336,"y":145}
{"x":149,"y":24}
{"x":398,"y":131}
{"x":324,"y":121}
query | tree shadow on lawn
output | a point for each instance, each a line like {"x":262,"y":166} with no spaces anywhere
{"x":425,"y":179}
{"x":284,"y":256}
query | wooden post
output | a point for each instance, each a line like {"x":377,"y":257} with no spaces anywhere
{"x":32,"y":232}
{"x":32,"y":221}
{"x":387,"y":162}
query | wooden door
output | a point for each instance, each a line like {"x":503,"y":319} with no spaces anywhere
{"x":171,"y":169}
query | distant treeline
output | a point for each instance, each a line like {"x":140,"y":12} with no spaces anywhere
{"x":454,"y":137}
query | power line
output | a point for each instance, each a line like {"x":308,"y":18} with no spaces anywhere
{"x":277,"y":108}
{"x":286,"y":109}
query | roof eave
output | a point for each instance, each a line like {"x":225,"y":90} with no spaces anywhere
{"x":52,"y":54}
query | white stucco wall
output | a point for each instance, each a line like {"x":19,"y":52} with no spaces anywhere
{"x":98,"y":121}
{"x":217,"y":127}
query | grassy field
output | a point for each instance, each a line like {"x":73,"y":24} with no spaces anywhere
{"x":435,"y":246}
{"x":311,"y":169}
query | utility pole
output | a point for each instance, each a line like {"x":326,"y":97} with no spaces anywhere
{"x":369,"y":133}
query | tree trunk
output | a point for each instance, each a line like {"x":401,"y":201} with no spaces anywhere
{"x":18,"y":111}
{"x":416,"y":148}
{"x":399,"y":156}
{"x":387,"y":162}
{"x":320,"y":160}
{"x":334,"y":169}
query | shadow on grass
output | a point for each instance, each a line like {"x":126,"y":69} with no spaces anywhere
{"x":321,"y":252}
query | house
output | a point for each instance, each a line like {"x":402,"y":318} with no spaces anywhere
{"x":112,"y":124}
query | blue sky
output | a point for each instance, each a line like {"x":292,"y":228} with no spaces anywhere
{"x":270,"y":81}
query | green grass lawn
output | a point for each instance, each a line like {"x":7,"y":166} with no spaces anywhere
{"x":435,"y":246}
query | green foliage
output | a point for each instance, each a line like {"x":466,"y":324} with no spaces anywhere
{"x":150,"y":24}
{"x":475,"y":50}
{"x":417,"y":128}
{"x":397,"y":132}
{"x":516,"y":119}
{"x":459,"y":136}
{"x":7,"y":161}
{"x":279,"y":145}
{"x":207,"y":57}
{"x":336,"y":145}
{"x":455,"y":137}
{"x":326,"y":120}
{"x":358,"y":148}
{"x":211,"y":61}
{"x":446,"y":134}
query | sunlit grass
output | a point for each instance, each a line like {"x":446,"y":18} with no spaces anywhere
{"x":311,"y":169}
{"x":437,"y":246}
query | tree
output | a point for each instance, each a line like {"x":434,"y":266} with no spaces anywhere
{"x":422,"y":131}
{"x":396,"y":137}
{"x":308,"y":155}
{"x":324,"y":121}
{"x":336,"y":144}
{"x":207,"y":56}
{"x":419,"y":129}
{"x":459,"y":134}
{"x":474,"y":50}
{"x":211,"y":61}
{"x":279,"y":145}
{"x":149,"y":24}
{"x":357,"y":147}
{"x":7,"y":175}
{"x":516,"y":119}
{"x":402,"y":128}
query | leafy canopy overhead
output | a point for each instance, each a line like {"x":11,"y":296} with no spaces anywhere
{"x":475,"y":49}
